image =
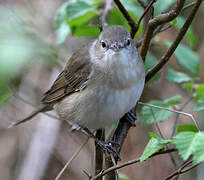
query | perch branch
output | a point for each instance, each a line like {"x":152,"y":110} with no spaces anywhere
{"x":134,"y":161}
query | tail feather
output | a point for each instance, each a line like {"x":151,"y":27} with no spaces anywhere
{"x":42,"y":108}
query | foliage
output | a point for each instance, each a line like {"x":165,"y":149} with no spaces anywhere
{"x":189,"y":141}
{"x":151,"y":114}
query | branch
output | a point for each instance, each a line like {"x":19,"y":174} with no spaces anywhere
{"x":100,"y":134}
{"x":159,"y":20}
{"x":175,"y":44}
{"x":134,"y":161}
{"x":134,"y":26}
{"x":131,"y":22}
{"x":181,"y":170}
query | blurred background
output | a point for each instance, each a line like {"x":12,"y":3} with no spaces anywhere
{"x":32,"y":53}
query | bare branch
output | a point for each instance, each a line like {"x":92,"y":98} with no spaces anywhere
{"x":159,"y":20}
{"x":134,"y":161}
{"x":175,"y":44}
{"x":181,"y":170}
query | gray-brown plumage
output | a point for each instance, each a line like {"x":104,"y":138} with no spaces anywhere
{"x":70,"y":80}
{"x":100,"y":83}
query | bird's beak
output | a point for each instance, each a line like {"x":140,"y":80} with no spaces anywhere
{"x":116,"y":47}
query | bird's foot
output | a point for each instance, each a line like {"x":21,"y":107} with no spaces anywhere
{"x":108,"y":147}
{"x":131,"y":117}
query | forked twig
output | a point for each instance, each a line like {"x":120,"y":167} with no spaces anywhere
{"x":172,"y":110}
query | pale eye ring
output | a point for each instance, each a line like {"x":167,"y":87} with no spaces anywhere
{"x":103,"y":44}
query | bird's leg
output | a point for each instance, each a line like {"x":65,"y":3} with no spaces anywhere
{"x":131,"y":117}
{"x":106,"y":146}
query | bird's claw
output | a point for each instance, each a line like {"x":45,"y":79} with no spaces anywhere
{"x":108,"y":148}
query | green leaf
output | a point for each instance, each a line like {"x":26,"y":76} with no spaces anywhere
{"x":149,"y":63}
{"x":123,"y":176}
{"x":86,"y":31}
{"x":62,"y":28}
{"x":77,"y":8}
{"x":62,"y":32}
{"x":71,"y":14}
{"x":161,"y":6}
{"x":199,"y":105}
{"x":133,"y":7}
{"x":187,"y":127}
{"x":189,"y":34}
{"x":177,"y":77}
{"x":188,"y":86}
{"x":4,"y":97}
{"x":173,"y":100}
{"x":159,"y":114}
{"x":186,"y":58}
{"x":190,"y":143}
{"x":155,"y":144}
{"x":199,"y":91}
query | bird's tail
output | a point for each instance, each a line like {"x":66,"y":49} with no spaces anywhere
{"x":42,"y":108}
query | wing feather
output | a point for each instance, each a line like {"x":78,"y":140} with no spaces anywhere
{"x":72,"y":78}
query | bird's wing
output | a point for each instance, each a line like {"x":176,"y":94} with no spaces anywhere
{"x":72,"y":78}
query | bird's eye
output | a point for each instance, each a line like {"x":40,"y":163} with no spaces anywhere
{"x":103,"y":44}
{"x":128,"y":42}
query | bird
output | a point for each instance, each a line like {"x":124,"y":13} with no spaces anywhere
{"x":100,"y":83}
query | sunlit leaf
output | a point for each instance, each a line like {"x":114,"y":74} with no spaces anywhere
{"x":190,"y":143}
{"x":155,"y":144}
{"x":86,"y":31}
{"x":199,"y":91}
{"x":187,"y":127}
{"x":73,"y":13}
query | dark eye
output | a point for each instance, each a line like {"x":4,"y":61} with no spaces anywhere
{"x":103,"y":44}
{"x":128,"y":42}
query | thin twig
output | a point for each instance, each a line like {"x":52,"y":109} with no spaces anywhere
{"x":71,"y":159}
{"x":156,"y":122}
{"x":181,"y":170}
{"x":175,"y":44}
{"x":177,"y":116}
{"x":134,"y":161}
{"x":172,"y":110}
{"x":161,"y":134}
